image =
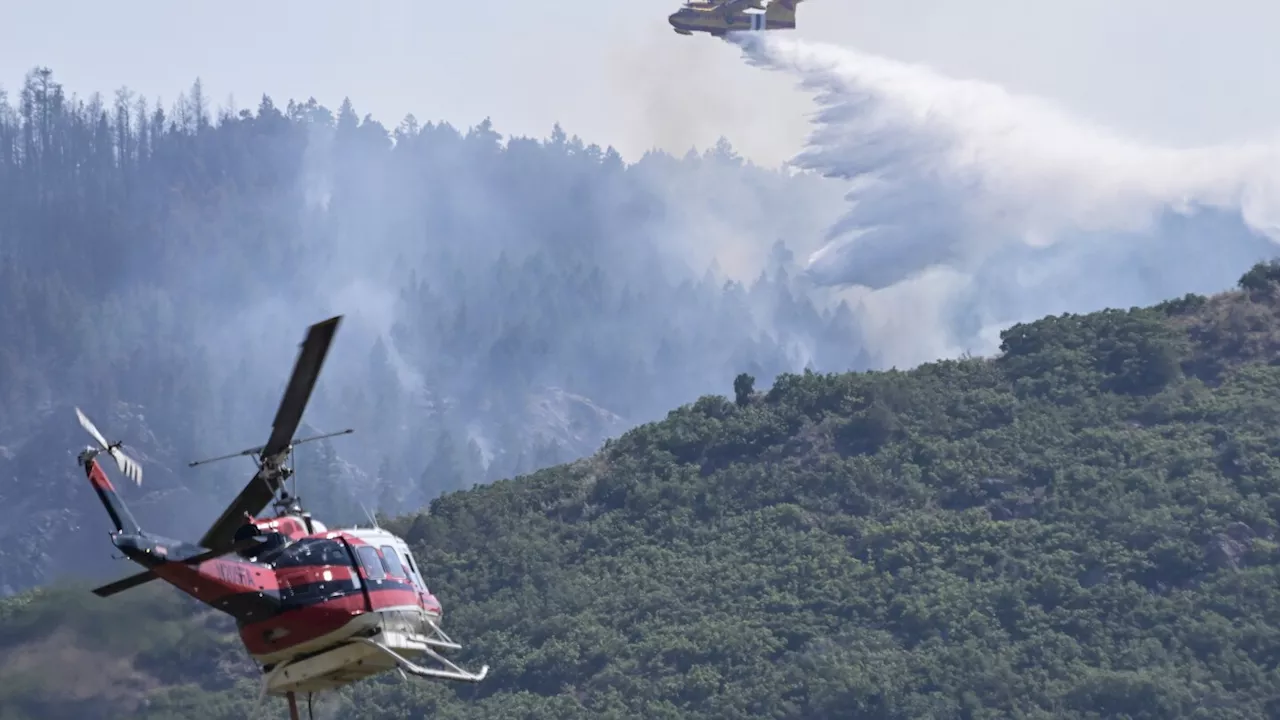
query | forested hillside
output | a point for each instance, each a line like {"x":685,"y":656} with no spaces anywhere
{"x":1081,"y":527}
{"x":510,"y":302}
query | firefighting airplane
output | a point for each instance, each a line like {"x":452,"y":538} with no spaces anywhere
{"x":719,"y":17}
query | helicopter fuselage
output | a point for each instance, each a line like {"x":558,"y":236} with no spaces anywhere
{"x":294,"y":592}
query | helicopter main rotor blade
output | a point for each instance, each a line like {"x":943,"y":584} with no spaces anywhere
{"x":208,"y":555}
{"x":305,"y":371}
{"x":256,"y":495}
{"x":264,"y":485}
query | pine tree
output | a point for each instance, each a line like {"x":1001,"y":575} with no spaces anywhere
{"x":385,"y":391}
{"x":322,"y":486}
{"x":444,"y":471}
{"x":388,"y":494}
{"x":473,"y":467}
{"x":548,"y":454}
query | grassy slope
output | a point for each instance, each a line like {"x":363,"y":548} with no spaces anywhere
{"x":1082,"y":527}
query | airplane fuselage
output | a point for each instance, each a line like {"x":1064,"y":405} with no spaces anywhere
{"x":716,"y":22}
{"x":720,"y":17}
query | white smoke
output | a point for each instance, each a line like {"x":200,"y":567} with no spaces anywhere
{"x":972,"y":208}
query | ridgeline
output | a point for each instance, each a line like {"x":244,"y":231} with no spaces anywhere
{"x":1082,"y":527}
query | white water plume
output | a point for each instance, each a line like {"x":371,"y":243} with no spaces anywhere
{"x":971,"y":208}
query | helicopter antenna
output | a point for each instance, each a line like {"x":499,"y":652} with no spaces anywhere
{"x":293,"y":465}
{"x":373,"y":520}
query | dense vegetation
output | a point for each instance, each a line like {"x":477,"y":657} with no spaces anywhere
{"x":510,"y":302}
{"x":1082,"y":527}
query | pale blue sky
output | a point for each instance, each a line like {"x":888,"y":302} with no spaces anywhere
{"x":1178,"y":71}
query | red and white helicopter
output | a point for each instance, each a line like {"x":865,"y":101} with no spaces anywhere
{"x":316,"y":608}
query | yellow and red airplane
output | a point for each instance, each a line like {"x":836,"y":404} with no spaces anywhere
{"x":718,"y":17}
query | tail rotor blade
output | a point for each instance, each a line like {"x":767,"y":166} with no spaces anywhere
{"x":128,"y":466}
{"x":91,"y":428}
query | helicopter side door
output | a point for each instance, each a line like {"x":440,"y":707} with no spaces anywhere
{"x":388,"y":586}
{"x":370,"y":569}
{"x":399,"y":571}
{"x":426,"y":600}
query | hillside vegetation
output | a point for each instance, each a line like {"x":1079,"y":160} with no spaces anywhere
{"x":1081,"y":527}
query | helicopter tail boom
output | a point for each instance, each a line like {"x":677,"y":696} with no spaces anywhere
{"x":119,"y":512}
{"x":181,"y":563}
{"x":147,"y":550}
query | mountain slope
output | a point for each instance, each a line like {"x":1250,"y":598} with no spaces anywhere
{"x":1081,"y":527}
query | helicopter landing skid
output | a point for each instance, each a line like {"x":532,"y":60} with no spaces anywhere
{"x":358,"y":658}
{"x":452,"y":673}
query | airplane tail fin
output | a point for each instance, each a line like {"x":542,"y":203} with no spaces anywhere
{"x":781,"y":14}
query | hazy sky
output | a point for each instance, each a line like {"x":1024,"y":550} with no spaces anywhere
{"x":1173,"y":71}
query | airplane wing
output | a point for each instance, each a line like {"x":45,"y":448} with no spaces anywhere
{"x":726,"y":6}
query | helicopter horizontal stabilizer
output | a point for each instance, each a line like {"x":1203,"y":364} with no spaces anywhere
{"x":127,"y":583}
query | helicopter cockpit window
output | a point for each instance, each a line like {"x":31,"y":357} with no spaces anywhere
{"x":371,"y":562}
{"x":392,"y":563}
{"x":313,"y":552}
{"x":266,"y":551}
{"x":408,"y":563}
